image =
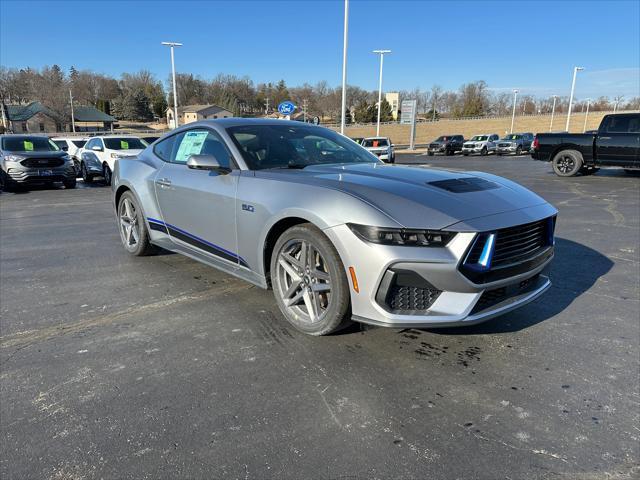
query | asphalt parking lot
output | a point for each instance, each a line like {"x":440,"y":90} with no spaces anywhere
{"x":160,"y":367}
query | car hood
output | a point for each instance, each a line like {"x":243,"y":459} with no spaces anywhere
{"x":417,"y":197}
{"x":129,"y":153}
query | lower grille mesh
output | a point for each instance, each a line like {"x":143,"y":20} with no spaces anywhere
{"x":411,"y":298}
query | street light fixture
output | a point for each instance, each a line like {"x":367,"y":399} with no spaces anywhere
{"x":573,"y":87}
{"x":381,"y":53}
{"x":553,"y":111}
{"x":343,"y":111}
{"x":513,"y":113}
{"x":584,"y":128}
{"x":173,"y":74}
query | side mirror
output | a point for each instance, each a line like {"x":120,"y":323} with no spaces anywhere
{"x":96,"y":148}
{"x":65,"y":148}
{"x":205,"y":162}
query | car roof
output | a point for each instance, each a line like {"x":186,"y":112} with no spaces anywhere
{"x":69,"y":138}
{"x":117,"y":136}
{"x":23,"y":135}
{"x":238,"y":122}
{"x":376,"y":138}
{"x":484,"y":134}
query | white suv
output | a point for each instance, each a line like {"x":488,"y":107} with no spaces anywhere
{"x":71,"y":145}
{"x":99,"y":155}
{"x":482,"y":144}
{"x":381,"y":147}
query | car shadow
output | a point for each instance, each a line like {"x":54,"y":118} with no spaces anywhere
{"x":569,"y":281}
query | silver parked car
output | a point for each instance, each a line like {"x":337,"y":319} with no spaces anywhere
{"x":482,"y":144}
{"x":381,"y":147}
{"x":515,"y":143}
{"x":335,"y":232}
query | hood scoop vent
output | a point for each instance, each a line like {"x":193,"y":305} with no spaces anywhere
{"x":464,"y":185}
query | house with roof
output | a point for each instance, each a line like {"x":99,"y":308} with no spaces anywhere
{"x":36,"y":118}
{"x":90,"y":119}
{"x":30,"y":118}
{"x":193,"y":113}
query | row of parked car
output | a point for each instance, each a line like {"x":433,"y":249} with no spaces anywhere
{"x":513,"y":143}
{"x":36,"y":159}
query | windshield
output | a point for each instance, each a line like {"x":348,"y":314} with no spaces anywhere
{"x":479,"y":138}
{"x":286,"y":146}
{"x":28,"y":144}
{"x":125,"y":143}
{"x":442,"y":139}
{"x":375,"y":142}
{"x":512,"y":137}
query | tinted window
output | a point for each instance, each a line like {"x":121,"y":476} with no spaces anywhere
{"x":62,"y":144}
{"x":79,"y":143}
{"x":125,"y":143}
{"x":28,"y":144}
{"x":623,"y":124}
{"x":196,"y":142}
{"x":286,"y":146}
{"x":164,"y":149}
{"x":375,"y":142}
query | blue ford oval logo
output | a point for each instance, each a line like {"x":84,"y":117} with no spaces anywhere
{"x":286,"y":108}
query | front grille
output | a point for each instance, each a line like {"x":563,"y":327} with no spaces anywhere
{"x":504,"y":145}
{"x":435,"y":146}
{"x":405,"y":292}
{"x":42,"y":162}
{"x":517,"y":250}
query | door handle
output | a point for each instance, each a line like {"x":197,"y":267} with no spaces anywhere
{"x":163,"y":182}
{"x":604,"y":138}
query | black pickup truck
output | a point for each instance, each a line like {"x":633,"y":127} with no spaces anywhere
{"x":616,"y":143}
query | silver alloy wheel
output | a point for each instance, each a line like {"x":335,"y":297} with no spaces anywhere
{"x":304,"y":280}
{"x":566,"y":164}
{"x":129,"y":226}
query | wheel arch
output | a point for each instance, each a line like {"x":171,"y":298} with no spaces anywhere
{"x":275,"y":231}
{"x":571,"y":146}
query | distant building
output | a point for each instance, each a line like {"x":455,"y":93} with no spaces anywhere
{"x":394,"y":100}
{"x":31,"y":118}
{"x":36,"y":118}
{"x":193,"y":113}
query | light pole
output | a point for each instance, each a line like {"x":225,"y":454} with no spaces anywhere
{"x":73,"y":121}
{"x":343,"y":111}
{"x":573,"y":87}
{"x":584,"y":128}
{"x":381,"y":53}
{"x":553,"y":111}
{"x":617,"y":101}
{"x":173,"y":74}
{"x":513,"y":113}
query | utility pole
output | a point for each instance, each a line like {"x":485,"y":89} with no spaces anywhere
{"x":513,"y":113}
{"x":584,"y":128}
{"x":173,"y":73}
{"x":73,"y":120}
{"x":304,"y":110}
{"x":343,"y":108}
{"x":266,"y":104}
{"x":435,"y":97}
{"x":573,"y":87}
{"x":553,"y":111}
{"x":381,"y":53}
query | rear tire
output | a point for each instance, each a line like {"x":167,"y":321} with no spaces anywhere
{"x":70,"y":183}
{"x":567,"y":163}
{"x":430,"y":154}
{"x":106,"y":173}
{"x":133,"y":227}
{"x":484,"y":151}
{"x":518,"y":150}
{"x":309,"y":281}
{"x":6,"y":184}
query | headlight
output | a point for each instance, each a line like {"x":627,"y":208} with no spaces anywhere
{"x":115,"y":155}
{"x":14,"y":158}
{"x":402,"y":236}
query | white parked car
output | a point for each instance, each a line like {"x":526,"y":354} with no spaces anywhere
{"x":71,"y":145}
{"x":381,"y":147}
{"x":98,"y":156}
{"x":482,"y":144}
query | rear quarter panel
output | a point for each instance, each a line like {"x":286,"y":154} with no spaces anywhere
{"x":549,"y":144}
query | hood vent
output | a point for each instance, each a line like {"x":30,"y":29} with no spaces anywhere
{"x":464,"y":185}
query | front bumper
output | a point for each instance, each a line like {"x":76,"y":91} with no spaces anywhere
{"x":456,"y":300}
{"x":474,"y":149}
{"x":507,"y":149}
{"x":23,"y":175}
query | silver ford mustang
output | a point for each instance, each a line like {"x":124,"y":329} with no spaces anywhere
{"x":336,"y":233}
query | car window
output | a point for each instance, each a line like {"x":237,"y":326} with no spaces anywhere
{"x":125,"y":143}
{"x":623,"y":124}
{"x":28,"y":144}
{"x":79,"y":143}
{"x":375,"y":142}
{"x":164,"y":149}
{"x":284,"y":146}
{"x":199,"y":142}
{"x":62,"y":144}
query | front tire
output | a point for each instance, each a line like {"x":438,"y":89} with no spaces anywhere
{"x":106,"y":173}
{"x":133,"y":227}
{"x":518,"y":150}
{"x":484,"y":151}
{"x":69,"y":183}
{"x":309,"y":281}
{"x":86,"y":176}
{"x":567,"y":163}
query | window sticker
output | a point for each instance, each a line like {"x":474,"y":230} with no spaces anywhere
{"x":28,"y":146}
{"x":191,"y":144}
{"x":124,"y":145}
